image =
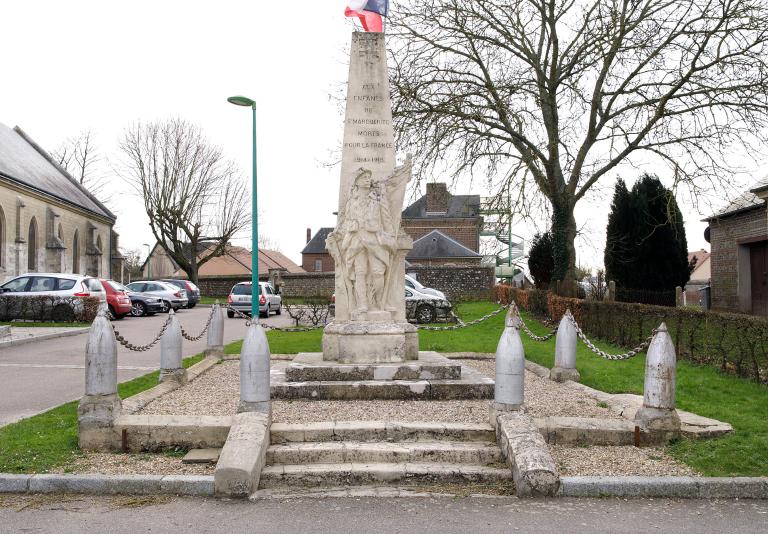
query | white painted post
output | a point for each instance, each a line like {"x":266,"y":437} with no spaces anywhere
{"x":100,"y":405}
{"x":565,"y":351}
{"x":254,"y":372}
{"x":216,"y":333}
{"x":171,"y":366}
{"x":510,"y":368}
{"x":658,"y":414}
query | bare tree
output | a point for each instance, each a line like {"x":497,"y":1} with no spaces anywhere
{"x":554,"y":94}
{"x":195,"y":199}
{"x":80,"y":157}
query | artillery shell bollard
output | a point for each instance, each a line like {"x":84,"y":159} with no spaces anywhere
{"x":510,"y":368}
{"x":215,"y":345}
{"x":171,"y":365}
{"x":254,"y":372}
{"x":565,"y":351}
{"x":100,"y":406}
{"x":658,"y":415}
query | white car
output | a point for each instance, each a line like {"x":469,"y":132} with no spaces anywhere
{"x":412,"y":283}
{"x":55,"y":285}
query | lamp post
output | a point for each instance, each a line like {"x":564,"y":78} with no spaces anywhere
{"x":247,"y":102}
{"x":149,"y":261}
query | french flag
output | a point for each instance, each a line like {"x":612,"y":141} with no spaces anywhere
{"x":370,"y":13}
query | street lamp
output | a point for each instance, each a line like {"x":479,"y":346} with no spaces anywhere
{"x":149,"y":262}
{"x":247,"y":102}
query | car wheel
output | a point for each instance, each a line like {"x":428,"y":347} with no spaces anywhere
{"x":138,"y":309}
{"x":190,"y":306}
{"x":279,"y":310}
{"x":265,"y":314}
{"x":63,"y":314}
{"x":230,"y":314}
{"x":425,"y":314}
{"x":166,"y":306}
{"x":111,"y":313}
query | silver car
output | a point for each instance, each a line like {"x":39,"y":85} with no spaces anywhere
{"x":240,"y":299}
{"x":172,"y":296}
{"x":423,"y":309}
{"x":412,"y":283}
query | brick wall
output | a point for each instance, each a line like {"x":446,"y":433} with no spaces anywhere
{"x":308,"y":262}
{"x":448,"y":262}
{"x":725,"y":235}
{"x":457,"y":282}
{"x":465,"y":231}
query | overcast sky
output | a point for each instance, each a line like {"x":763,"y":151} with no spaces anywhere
{"x":100,"y":65}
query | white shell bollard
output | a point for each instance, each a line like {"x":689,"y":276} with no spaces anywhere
{"x":254,"y":372}
{"x":658,"y":414}
{"x":215,"y":345}
{"x":510,"y":369}
{"x":565,"y":351}
{"x":100,"y":405}
{"x":171,"y":365}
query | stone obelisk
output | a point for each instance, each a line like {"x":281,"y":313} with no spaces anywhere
{"x":368,"y":245}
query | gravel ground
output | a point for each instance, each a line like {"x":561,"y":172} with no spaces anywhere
{"x":130,"y":464}
{"x":616,"y":461}
{"x":217,"y":391}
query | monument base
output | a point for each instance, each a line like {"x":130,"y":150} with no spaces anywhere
{"x":370,"y":342}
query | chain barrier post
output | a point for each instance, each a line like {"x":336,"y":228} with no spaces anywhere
{"x":565,"y":351}
{"x":510,"y":368}
{"x":254,"y":372}
{"x":215,"y":343}
{"x":171,"y":366}
{"x":100,"y":406}
{"x":658,"y":415}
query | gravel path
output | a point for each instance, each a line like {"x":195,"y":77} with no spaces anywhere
{"x":130,"y":464}
{"x":616,"y":461}
{"x":217,"y":391}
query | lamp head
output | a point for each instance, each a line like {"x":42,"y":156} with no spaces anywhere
{"x":241,"y":101}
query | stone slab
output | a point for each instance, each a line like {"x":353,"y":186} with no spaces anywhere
{"x":10,"y":483}
{"x":472,"y":385}
{"x":243,"y":456}
{"x":372,"y":431}
{"x":533,"y":468}
{"x":310,"y":367}
{"x":201,"y":456}
{"x":159,"y":432}
{"x":667,"y":487}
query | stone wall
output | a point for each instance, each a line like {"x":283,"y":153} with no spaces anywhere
{"x":457,"y":282}
{"x":730,"y":257}
{"x":308,"y":285}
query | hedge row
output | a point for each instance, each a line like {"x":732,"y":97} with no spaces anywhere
{"x":46,"y":308}
{"x":731,"y":342}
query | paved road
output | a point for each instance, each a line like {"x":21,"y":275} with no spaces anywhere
{"x":486,"y":515}
{"x":43,"y":374}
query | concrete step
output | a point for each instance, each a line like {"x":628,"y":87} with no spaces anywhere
{"x":377,"y":431}
{"x":310,"y":367}
{"x":332,"y":452}
{"x":354,"y":474}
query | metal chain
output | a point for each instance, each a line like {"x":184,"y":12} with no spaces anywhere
{"x":462,"y":324}
{"x":591,"y":346}
{"x":249,"y":321}
{"x":533,"y":336}
{"x":205,"y":328}
{"x":141,"y":348}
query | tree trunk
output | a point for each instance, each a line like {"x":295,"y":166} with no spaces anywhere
{"x":563,"y":244}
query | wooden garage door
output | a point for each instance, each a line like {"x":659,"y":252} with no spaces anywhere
{"x":759,"y":265}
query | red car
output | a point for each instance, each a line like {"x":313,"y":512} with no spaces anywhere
{"x":117,"y":299}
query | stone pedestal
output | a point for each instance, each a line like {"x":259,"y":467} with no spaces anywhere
{"x":370,"y":342}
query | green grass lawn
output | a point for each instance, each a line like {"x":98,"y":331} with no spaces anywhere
{"x":212,"y":300}
{"x":42,"y":442}
{"x":49,"y":440}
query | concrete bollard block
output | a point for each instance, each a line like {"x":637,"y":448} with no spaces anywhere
{"x":215,"y":345}
{"x":254,"y":372}
{"x":658,"y":415}
{"x":100,"y":406}
{"x":510,"y":368}
{"x":171,"y":366}
{"x":565,"y":351}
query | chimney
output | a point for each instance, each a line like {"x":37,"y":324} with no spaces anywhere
{"x":437,"y":198}
{"x":309,"y":235}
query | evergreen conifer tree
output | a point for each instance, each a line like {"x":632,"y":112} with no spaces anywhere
{"x":541,"y":261}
